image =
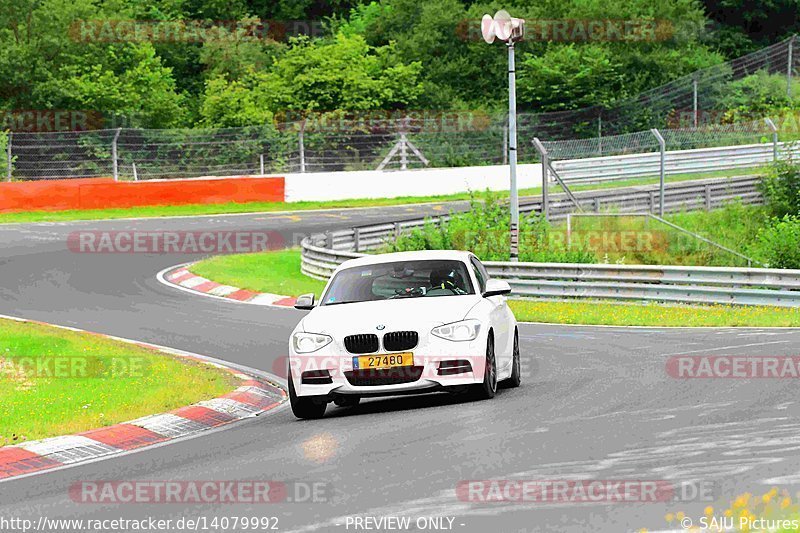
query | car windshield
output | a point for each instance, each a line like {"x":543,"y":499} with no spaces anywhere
{"x":401,"y":279}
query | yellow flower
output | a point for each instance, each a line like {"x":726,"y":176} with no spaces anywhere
{"x":786,"y":502}
{"x":669,"y":517}
{"x":709,"y":510}
{"x":742,"y":500}
{"x":680,"y":515}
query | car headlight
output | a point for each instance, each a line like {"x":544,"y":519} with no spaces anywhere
{"x":464,"y":330}
{"x":309,"y":342}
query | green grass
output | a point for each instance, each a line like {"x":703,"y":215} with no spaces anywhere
{"x":279,"y":273}
{"x":616,"y":314}
{"x":255,"y":207}
{"x":733,"y":226}
{"x":101,"y":382}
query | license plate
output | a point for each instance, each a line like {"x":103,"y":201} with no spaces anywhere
{"x":393,"y":360}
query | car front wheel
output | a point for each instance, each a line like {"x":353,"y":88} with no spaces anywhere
{"x":516,"y":366}
{"x":487,"y":389}
{"x":306,"y":407}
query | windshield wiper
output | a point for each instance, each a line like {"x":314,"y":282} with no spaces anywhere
{"x":343,"y":302}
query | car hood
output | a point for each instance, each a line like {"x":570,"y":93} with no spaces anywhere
{"x":399,"y":314}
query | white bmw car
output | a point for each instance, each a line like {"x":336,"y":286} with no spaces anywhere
{"x":403,"y":323}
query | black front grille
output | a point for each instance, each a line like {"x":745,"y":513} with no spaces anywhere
{"x":389,"y":376}
{"x":362,"y":343}
{"x":396,"y":341}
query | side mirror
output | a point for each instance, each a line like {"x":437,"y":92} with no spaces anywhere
{"x":305,"y":302}
{"x":496,"y":287}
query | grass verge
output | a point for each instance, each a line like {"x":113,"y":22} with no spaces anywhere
{"x":616,"y":314}
{"x":57,"y":382}
{"x":256,"y":207}
{"x":279,"y":273}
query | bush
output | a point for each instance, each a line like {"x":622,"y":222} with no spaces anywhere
{"x":484,"y":230}
{"x":779,"y":244}
{"x":781,"y":189}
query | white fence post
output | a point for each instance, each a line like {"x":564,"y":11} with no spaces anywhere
{"x":8,"y":156}
{"x":774,"y":138}
{"x":790,"y":68}
{"x":403,"y":152}
{"x":302,"y":147}
{"x":261,"y":163}
{"x":545,"y":176}
{"x":663,"y":147}
{"x":114,"y":161}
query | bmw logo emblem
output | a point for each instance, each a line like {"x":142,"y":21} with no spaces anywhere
{"x":380,"y":327}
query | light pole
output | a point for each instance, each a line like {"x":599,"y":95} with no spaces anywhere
{"x":506,"y":28}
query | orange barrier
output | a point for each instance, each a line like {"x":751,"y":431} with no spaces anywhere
{"x":105,"y":193}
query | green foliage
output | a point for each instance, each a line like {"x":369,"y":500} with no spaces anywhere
{"x":759,"y":95}
{"x":50,"y":59}
{"x":571,"y":77}
{"x":3,"y":157}
{"x":779,"y":244}
{"x":379,"y":54}
{"x":235,"y":103}
{"x":484,"y":230}
{"x":743,"y":26}
{"x":315,"y":75}
{"x":781,"y":189}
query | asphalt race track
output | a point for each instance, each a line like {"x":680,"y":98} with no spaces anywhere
{"x":595,"y":403}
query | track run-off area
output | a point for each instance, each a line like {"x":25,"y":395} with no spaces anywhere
{"x":595,"y":403}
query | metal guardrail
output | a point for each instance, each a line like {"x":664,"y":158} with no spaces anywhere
{"x":681,"y":196}
{"x":621,"y":167}
{"x":322,"y":253}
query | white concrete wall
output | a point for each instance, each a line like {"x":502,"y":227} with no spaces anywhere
{"x":320,"y":186}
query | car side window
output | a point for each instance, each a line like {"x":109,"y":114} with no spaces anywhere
{"x":480,"y":273}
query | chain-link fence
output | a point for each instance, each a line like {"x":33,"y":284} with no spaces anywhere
{"x":687,"y":112}
{"x":679,"y":153}
{"x":137,"y":154}
{"x":687,"y":150}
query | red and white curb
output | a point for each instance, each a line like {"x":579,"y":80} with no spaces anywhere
{"x":180,"y":277}
{"x":254,"y":396}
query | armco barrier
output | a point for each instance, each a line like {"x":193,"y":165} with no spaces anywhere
{"x":100,"y":193}
{"x":323,"y":253}
{"x":628,"y":166}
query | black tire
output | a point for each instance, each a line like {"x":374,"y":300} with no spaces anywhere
{"x":347,"y":401}
{"x":306,"y":407}
{"x":516,"y":366}
{"x":488,"y":388}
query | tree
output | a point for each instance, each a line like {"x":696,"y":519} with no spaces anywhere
{"x":744,"y":26}
{"x":341,"y":73}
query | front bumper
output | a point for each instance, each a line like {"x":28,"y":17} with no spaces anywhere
{"x":463,"y":365}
